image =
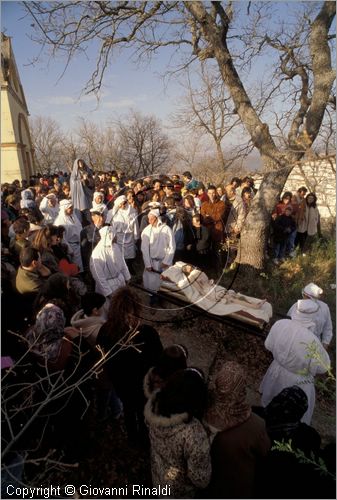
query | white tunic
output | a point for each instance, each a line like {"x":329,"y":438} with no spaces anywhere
{"x":298,"y":357}
{"x":107,"y":265}
{"x":127,"y":228}
{"x":73,"y":229}
{"x":321,"y":318}
{"x":158,"y":247}
{"x":49,"y":213}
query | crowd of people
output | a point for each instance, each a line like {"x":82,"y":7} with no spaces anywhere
{"x":70,"y":247}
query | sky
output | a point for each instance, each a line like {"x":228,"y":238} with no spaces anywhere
{"x":125,"y":85}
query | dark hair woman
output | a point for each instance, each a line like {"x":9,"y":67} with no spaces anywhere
{"x":308,"y":225}
{"x":133,"y":348}
{"x":42,"y":241}
{"x":172,"y":359}
{"x":179,"y":443}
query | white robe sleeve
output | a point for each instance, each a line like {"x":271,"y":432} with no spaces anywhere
{"x":170,"y":247}
{"x":145,"y":248}
{"x":123,"y":267}
{"x":44,"y":205}
{"x":97,"y":269}
{"x":327,"y":325}
{"x":136,"y":233}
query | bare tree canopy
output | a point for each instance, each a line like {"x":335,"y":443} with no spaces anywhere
{"x":48,"y":141}
{"x":144,"y":146}
{"x":299,"y":85}
{"x":207,"y":108}
{"x":135,"y":144}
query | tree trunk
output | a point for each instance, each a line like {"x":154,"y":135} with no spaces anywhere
{"x":220,"y":156}
{"x":254,"y":235}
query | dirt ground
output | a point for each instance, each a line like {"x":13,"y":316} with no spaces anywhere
{"x":210,"y":344}
{"x":109,"y":460}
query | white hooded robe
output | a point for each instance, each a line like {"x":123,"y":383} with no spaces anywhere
{"x":158,"y":247}
{"x":107,"y":264}
{"x":298,"y":357}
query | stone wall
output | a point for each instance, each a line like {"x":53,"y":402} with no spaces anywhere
{"x":319,"y":177}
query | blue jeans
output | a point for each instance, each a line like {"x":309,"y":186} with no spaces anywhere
{"x":290,"y":245}
{"x":279,"y":249}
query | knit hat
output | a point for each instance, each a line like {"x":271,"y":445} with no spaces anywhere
{"x":312,"y":291}
{"x":229,"y":407}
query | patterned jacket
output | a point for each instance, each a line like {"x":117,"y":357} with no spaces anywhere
{"x":179,"y":452}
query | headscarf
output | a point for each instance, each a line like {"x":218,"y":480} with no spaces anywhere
{"x":118,"y":201}
{"x":72,"y":222}
{"x":155,"y":213}
{"x":64,"y":204}
{"x":27,"y":200}
{"x":229,"y":407}
{"x":45,"y":337}
{"x":116,"y":207}
{"x":284,"y":412}
{"x":304,"y":313}
{"x":98,"y":207}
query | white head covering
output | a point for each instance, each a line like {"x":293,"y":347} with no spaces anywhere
{"x":27,"y":199}
{"x":64,"y":204}
{"x":99,"y":208}
{"x":155,"y":213}
{"x":312,"y":291}
{"x":98,"y":193}
{"x":118,"y":201}
{"x":107,"y":234}
{"x":51,"y":195}
{"x":304,"y":314}
{"x":154,"y":204}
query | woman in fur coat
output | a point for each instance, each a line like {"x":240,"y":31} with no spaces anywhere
{"x":179,"y":444}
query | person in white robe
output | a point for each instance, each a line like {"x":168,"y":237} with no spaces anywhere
{"x":298,"y":357}
{"x":98,"y":205}
{"x":73,"y":228}
{"x":107,"y":264}
{"x":314,"y":310}
{"x":127,"y":227}
{"x":119,"y":201}
{"x":158,"y":247}
{"x":49,"y":207}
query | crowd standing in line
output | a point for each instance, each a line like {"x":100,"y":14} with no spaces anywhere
{"x":71,"y":245}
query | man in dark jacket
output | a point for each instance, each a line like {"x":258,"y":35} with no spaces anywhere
{"x":283,"y":226}
{"x":90,"y":236}
{"x":198,"y":243}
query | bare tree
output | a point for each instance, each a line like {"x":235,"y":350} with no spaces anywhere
{"x":48,"y":141}
{"x":207,"y":109}
{"x":302,"y":73}
{"x":187,"y":150}
{"x":145,"y":148}
{"x":29,"y":395}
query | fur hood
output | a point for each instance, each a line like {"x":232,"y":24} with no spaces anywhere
{"x":90,"y":325}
